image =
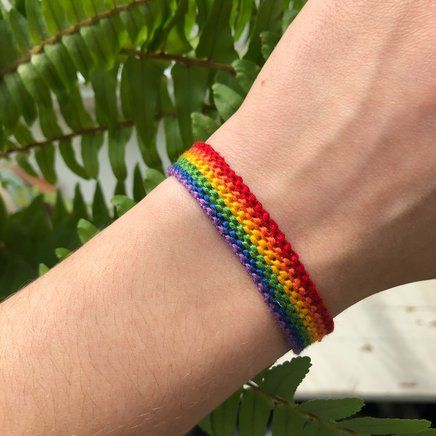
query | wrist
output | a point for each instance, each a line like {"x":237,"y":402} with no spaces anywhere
{"x":303,"y":195}
{"x":330,"y":156}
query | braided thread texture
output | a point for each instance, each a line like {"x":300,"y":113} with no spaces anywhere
{"x":258,"y":242}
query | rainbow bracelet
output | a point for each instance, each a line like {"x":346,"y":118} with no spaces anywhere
{"x":258,"y":242}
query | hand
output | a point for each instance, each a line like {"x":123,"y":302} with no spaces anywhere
{"x":337,"y":139}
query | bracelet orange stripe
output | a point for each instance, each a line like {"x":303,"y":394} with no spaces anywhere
{"x":258,"y":242}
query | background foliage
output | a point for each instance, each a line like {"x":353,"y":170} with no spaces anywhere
{"x":267,"y":401}
{"x":179,"y":66}
{"x":149,"y":64}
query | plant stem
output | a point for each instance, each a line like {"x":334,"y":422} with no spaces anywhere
{"x":204,"y":63}
{"x":308,"y":416}
{"x":274,"y":398}
{"x":107,"y":14}
{"x":66,"y":136}
{"x":96,"y":129}
{"x":70,"y":31}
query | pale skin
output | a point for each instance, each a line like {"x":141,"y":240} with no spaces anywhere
{"x":154,"y":322}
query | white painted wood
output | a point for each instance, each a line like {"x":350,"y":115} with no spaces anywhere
{"x":384,"y":346}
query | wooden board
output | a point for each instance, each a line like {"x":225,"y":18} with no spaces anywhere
{"x":384,"y":346}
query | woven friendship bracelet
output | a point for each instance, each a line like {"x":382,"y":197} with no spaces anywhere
{"x":258,"y":242}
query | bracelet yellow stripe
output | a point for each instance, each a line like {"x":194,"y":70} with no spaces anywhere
{"x":258,"y":242}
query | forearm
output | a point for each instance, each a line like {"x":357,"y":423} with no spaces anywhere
{"x":150,"y":326}
{"x":138,"y":328}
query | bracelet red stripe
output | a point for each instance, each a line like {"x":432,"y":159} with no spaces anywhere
{"x":259,"y":243}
